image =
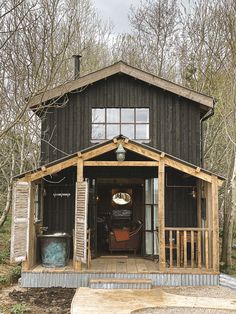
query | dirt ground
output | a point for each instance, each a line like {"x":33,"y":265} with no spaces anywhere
{"x":16,"y":300}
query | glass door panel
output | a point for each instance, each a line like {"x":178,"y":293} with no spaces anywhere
{"x":151,"y":247}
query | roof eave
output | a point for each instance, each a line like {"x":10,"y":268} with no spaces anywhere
{"x":206,"y":102}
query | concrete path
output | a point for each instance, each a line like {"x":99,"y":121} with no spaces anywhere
{"x":122,"y":301}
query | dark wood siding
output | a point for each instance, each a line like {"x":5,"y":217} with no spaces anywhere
{"x":174,"y":121}
{"x":59,"y":201}
{"x":180,"y":205}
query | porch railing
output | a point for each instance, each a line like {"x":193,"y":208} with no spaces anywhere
{"x":188,"y":247}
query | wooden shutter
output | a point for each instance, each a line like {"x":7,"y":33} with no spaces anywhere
{"x":20,"y":220}
{"x":81,"y":212}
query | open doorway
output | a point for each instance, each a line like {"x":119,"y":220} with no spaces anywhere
{"x":115,"y":214}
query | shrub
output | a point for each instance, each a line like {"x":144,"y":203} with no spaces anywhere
{"x":4,"y":256}
{"x":16,"y":273}
{"x":3,"y":280}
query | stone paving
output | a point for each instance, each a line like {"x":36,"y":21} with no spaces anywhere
{"x":124,"y":301}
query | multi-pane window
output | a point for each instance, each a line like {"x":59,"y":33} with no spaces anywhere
{"x":110,"y":122}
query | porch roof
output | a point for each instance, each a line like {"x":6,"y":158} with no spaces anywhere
{"x":109,"y":145}
{"x":206,"y":102}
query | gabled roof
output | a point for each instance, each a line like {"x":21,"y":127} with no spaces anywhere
{"x":90,"y":153}
{"x":205,"y":101}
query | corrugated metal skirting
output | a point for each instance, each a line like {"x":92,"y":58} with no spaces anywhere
{"x":75,"y":280}
{"x":227,"y":281}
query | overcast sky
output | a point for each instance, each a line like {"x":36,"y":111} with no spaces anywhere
{"x":116,"y":11}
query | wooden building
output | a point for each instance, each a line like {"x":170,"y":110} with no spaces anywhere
{"x":121,"y":174}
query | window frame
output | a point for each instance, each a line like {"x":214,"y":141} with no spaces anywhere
{"x":120,"y":124}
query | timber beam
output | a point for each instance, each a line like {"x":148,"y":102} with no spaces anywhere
{"x":50,"y":170}
{"x":141,"y":151}
{"x":121,"y":163}
{"x":100,"y":150}
{"x":154,"y":157}
{"x":195,"y":172}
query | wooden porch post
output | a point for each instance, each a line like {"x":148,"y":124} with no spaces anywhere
{"x":161,"y":214}
{"x":215,"y":222}
{"x":80,"y":170}
{"x":199,"y":217}
{"x":80,"y":178}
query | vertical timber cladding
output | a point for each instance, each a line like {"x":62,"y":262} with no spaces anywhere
{"x":81,"y":212}
{"x":20,"y":221}
{"x":174,"y":121}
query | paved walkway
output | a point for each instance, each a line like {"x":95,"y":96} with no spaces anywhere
{"x":123,"y":301}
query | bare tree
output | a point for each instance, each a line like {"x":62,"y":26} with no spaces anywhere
{"x":195,"y":46}
{"x":208,"y":64}
{"x":152,"y":44}
{"x":38,"y":37}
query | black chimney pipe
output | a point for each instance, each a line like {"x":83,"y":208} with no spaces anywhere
{"x":76,"y":66}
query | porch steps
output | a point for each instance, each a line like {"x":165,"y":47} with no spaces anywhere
{"x":114,"y":283}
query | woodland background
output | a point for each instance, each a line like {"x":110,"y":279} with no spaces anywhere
{"x":194,"y":46}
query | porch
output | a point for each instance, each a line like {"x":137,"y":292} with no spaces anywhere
{"x":177,"y":203}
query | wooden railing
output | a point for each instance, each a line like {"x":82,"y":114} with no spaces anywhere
{"x":188,"y":247}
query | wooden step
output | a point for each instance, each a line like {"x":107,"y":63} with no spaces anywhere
{"x":113,"y":283}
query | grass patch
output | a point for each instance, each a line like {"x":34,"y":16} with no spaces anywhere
{"x":3,"y":309}
{"x":5,"y":236}
{"x":3,"y":280}
{"x":19,"y":308}
{"x":8,"y":273}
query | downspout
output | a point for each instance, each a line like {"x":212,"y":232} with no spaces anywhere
{"x":209,"y":114}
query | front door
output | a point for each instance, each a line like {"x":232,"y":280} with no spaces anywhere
{"x":151,"y":247}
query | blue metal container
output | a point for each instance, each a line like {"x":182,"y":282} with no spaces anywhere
{"x":55,"y":249}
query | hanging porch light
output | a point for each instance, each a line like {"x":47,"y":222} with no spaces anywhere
{"x":120,"y":153}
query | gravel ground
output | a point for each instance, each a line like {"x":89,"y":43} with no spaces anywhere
{"x":181,"y":310}
{"x":211,"y":292}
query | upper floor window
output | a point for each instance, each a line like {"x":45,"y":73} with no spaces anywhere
{"x":130,"y":122}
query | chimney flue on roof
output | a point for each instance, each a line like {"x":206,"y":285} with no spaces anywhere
{"x":76,"y":66}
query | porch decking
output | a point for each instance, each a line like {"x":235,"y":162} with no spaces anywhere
{"x":115,"y":267}
{"x":118,"y":265}
{"x":121,"y":264}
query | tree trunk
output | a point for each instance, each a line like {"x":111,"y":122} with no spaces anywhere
{"x":229,"y":218}
{"x":7,"y":206}
{"x":9,"y":192}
